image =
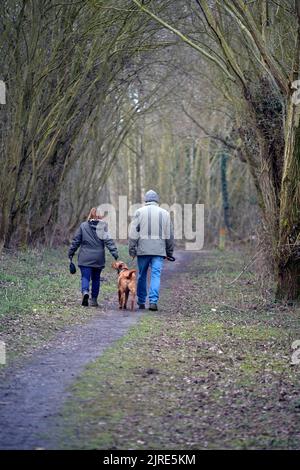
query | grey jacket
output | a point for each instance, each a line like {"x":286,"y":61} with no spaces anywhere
{"x":92,"y":237}
{"x":151,"y":232}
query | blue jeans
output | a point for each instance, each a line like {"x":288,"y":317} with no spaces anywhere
{"x":156,"y":264}
{"x":86,"y":275}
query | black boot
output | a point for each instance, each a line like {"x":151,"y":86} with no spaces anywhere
{"x":94,"y":302}
{"x":153,"y":307}
{"x":85,"y":299}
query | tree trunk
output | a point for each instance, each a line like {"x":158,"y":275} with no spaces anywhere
{"x":288,"y":282}
{"x":288,"y":262}
{"x":225,"y":197}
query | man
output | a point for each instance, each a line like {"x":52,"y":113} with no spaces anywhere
{"x":151,"y":239}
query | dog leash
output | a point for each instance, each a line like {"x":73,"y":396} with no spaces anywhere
{"x":133,"y":264}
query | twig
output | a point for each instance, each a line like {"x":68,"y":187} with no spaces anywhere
{"x":245,"y":267}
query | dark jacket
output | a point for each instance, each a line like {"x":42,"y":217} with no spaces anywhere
{"x":92,"y":237}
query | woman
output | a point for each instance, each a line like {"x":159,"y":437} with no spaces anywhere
{"x":92,"y":237}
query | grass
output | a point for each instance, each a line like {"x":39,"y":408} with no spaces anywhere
{"x":39,"y":297}
{"x":212,"y":370}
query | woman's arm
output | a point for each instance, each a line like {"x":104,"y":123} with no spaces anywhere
{"x":76,"y":242}
{"x":109,"y":243}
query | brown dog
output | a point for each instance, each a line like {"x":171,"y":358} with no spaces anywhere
{"x":126,"y":284}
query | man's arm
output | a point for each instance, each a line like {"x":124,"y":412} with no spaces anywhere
{"x":170,"y":238}
{"x":134,"y":235}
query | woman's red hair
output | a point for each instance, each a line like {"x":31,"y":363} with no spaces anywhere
{"x":94,"y":214}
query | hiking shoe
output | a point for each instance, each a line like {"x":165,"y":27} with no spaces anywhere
{"x":93,"y":302}
{"x":85,"y":299}
{"x":142,"y":306}
{"x":153,"y":307}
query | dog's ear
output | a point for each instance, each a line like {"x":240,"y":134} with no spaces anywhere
{"x":114,"y":265}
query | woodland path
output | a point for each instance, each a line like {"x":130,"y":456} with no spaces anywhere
{"x":33,"y":392}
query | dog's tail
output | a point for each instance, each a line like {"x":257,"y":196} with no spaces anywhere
{"x":131,"y":274}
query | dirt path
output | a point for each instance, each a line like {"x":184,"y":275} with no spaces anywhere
{"x":212,"y":371}
{"x":31,"y":395}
